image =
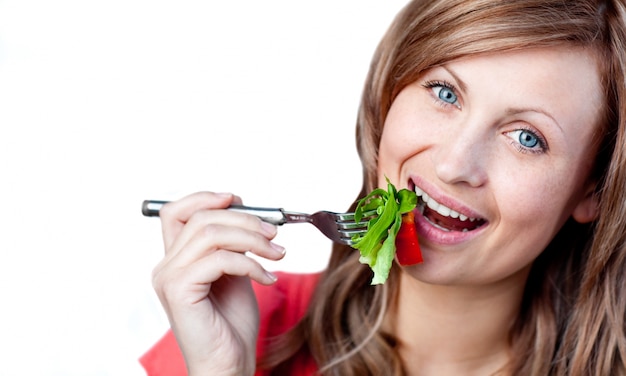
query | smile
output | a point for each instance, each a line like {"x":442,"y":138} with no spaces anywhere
{"x":443,"y":217}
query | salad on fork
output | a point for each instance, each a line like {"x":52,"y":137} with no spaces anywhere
{"x":381,"y":228}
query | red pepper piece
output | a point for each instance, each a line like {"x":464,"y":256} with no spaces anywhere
{"x":408,"y":250}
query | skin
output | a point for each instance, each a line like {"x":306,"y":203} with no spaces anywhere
{"x":203,"y":281}
{"x":455,"y":133}
{"x":463,"y":155}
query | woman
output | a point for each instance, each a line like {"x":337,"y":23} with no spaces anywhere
{"x":510,"y":113}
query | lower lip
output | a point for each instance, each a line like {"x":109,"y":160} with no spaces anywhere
{"x":428,"y":232}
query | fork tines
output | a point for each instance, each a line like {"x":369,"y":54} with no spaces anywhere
{"x":347,"y":226}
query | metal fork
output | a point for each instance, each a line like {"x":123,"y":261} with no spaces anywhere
{"x":338,"y":227}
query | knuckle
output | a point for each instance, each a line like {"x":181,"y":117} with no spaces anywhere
{"x":220,"y":257}
{"x":164,"y":281}
{"x":196,"y":217}
{"x":158,"y":280}
{"x":170,"y":289}
{"x":167,"y":287}
{"x":212,"y":230}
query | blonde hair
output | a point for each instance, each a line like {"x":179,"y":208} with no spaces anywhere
{"x":573,"y":313}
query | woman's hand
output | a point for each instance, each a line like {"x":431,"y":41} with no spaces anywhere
{"x":203,"y":281}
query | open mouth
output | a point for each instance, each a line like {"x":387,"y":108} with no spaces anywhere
{"x":443,"y":217}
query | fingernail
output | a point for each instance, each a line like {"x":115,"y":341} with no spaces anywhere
{"x":279,"y":249}
{"x":271,"y":276}
{"x":268,"y":228}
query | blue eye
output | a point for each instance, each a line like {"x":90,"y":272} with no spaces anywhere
{"x":527,"y":140}
{"x":445,"y":94}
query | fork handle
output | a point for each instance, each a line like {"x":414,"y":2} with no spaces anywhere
{"x":275,"y":216}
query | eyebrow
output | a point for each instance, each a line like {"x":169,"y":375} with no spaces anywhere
{"x":509,"y":111}
{"x":516,"y":111}
{"x":462,"y":85}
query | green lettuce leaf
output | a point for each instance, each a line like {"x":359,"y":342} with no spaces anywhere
{"x":378,"y":245}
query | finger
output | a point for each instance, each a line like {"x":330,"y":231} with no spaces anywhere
{"x":237,"y":200}
{"x":214,"y":237}
{"x":201,"y":222}
{"x":192,"y":284}
{"x":175,"y":214}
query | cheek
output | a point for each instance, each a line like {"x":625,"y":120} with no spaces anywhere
{"x":403,"y":136}
{"x":388,"y":160}
{"x":528,"y":220}
{"x":392,"y":147}
{"x":531,"y":212}
{"x":388,"y":150}
{"x":395,"y":149}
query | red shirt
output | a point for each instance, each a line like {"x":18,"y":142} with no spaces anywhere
{"x":281,"y":306}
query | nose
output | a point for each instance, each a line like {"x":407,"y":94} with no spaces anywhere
{"x":461,"y":157}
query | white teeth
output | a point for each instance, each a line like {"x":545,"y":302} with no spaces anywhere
{"x":434,"y":205}
{"x":444,"y":210}
{"x":439,"y":208}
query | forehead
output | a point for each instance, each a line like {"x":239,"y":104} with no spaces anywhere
{"x":561,"y":61}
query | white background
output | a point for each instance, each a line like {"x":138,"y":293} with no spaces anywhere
{"x":106,"y":103}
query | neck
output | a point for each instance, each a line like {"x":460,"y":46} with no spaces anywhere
{"x":452,"y":330}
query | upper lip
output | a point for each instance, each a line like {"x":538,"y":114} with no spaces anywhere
{"x":443,"y":199}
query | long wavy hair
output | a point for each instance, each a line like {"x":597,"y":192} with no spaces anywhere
{"x":572,"y":320}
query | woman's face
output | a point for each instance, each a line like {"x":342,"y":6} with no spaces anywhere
{"x":499,"y":148}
